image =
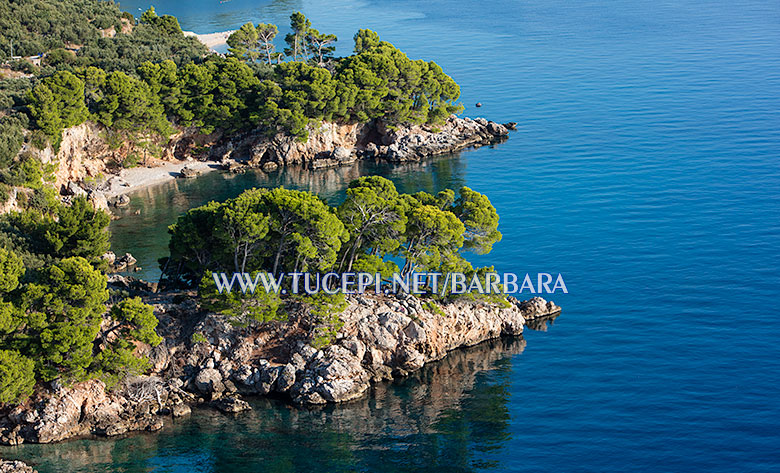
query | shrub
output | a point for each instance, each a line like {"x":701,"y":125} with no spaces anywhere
{"x":17,"y":377}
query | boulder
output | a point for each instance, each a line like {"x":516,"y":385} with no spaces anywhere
{"x":75,"y":190}
{"x":536,"y":307}
{"x":270,"y":166}
{"x":286,"y":378}
{"x":98,"y":200}
{"x":209,"y":381}
{"x":371,"y":150}
{"x":124,"y":262}
{"x":342,"y":154}
{"x":188,"y":172}
{"x":231,"y":405}
{"x":12,"y":466}
{"x":496,"y":129}
{"x":109,"y":257}
{"x":121,"y":200}
{"x":181,"y":410}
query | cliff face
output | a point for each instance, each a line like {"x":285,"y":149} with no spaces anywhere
{"x":331,"y":144}
{"x":90,"y":150}
{"x":382,"y":337}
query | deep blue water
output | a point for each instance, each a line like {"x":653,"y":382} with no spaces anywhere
{"x":646,"y":170}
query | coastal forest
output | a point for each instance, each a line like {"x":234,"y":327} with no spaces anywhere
{"x":68,"y":62}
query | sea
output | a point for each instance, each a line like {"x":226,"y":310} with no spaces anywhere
{"x":645,"y":170}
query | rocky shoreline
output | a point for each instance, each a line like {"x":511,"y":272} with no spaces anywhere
{"x":206,"y":360}
{"x":14,"y":466}
{"x":88,"y":163}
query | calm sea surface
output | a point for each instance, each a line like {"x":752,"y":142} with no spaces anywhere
{"x":646,"y":170}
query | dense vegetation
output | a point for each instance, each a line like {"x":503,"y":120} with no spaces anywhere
{"x":143,"y":79}
{"x":282,"y":230}
{"x":227,"y":93}
{"x":53,"y":302}
{"x":32,"y":27}
{"x":153,"y":78}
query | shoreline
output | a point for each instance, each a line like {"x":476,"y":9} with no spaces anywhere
{"x":134,"y":179}
{"x":382,"y":338}
{"x":211,"y":40}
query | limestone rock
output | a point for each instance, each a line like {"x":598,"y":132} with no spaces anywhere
{"x":286,"y":378}
{"x":188,"y":172}
{"x":209,"y":381}
{"x":75,"y":190}
{"x":121,"y":200}
{"x":12,"y":466}
{"x":536,"y":307}
{"x":231,"y":405}
{"x":98,"y":200}
{"x":181,"y":410}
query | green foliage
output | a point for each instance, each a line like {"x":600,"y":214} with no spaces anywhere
{"x":282,"y":230}
{"x":243,"y":43}
{"x":299,"y":25}
{"x":194,"y":243}
{"x":322,"y":45}
{"x":252,"y":42}
{"x":77,"y":230}
{"x":129,"y":104}
{"x":433,"y":307}
{"x":5,"y":193}
{"x":258,"y":230}
{"x":365,"y":40}
{"x":17,"y":377}
{"x":480,"y":220}
{"x":259,"y":306}
{"x":53,"y":296}
{"x":24,"y":171}
{"x":34,"y":27}
{"x":304,"y":233}
{"x":11,"y":269}
{"x":166,"y":25}
{"x":56,"y":103}
{"x":198,"y":337}
{"x":61,"y":317}
{"x":140,"y":82}
{"x":386,"y":83}
{"x":136,"y":321}
{"x":147,"y":42}
{"x":60,"y":58}
{"x":374,"y":215}
{"x":326,"y":309}
{"x":433,"y":236}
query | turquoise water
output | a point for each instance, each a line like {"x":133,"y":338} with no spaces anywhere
{"x":646,"y":169}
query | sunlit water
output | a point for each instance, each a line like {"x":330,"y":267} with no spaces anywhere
{"x":646,"y":170}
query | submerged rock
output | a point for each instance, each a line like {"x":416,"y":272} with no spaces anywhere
{"x":12,"y":466}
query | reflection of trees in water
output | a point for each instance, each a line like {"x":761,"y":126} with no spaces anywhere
{"x":143,"y":225}
{"x":446,"y":417}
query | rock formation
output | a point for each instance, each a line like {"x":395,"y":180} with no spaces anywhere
{"x":90,"y":156}
{"x":10,"y":466}
{"x":204,"y":358}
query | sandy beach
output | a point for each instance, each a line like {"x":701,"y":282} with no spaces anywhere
{"x":137,"y":178}
{"x":211,"y":40}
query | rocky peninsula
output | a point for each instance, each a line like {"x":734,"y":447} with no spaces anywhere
{"x":206,"y":359}
{"x":86,"y":162}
